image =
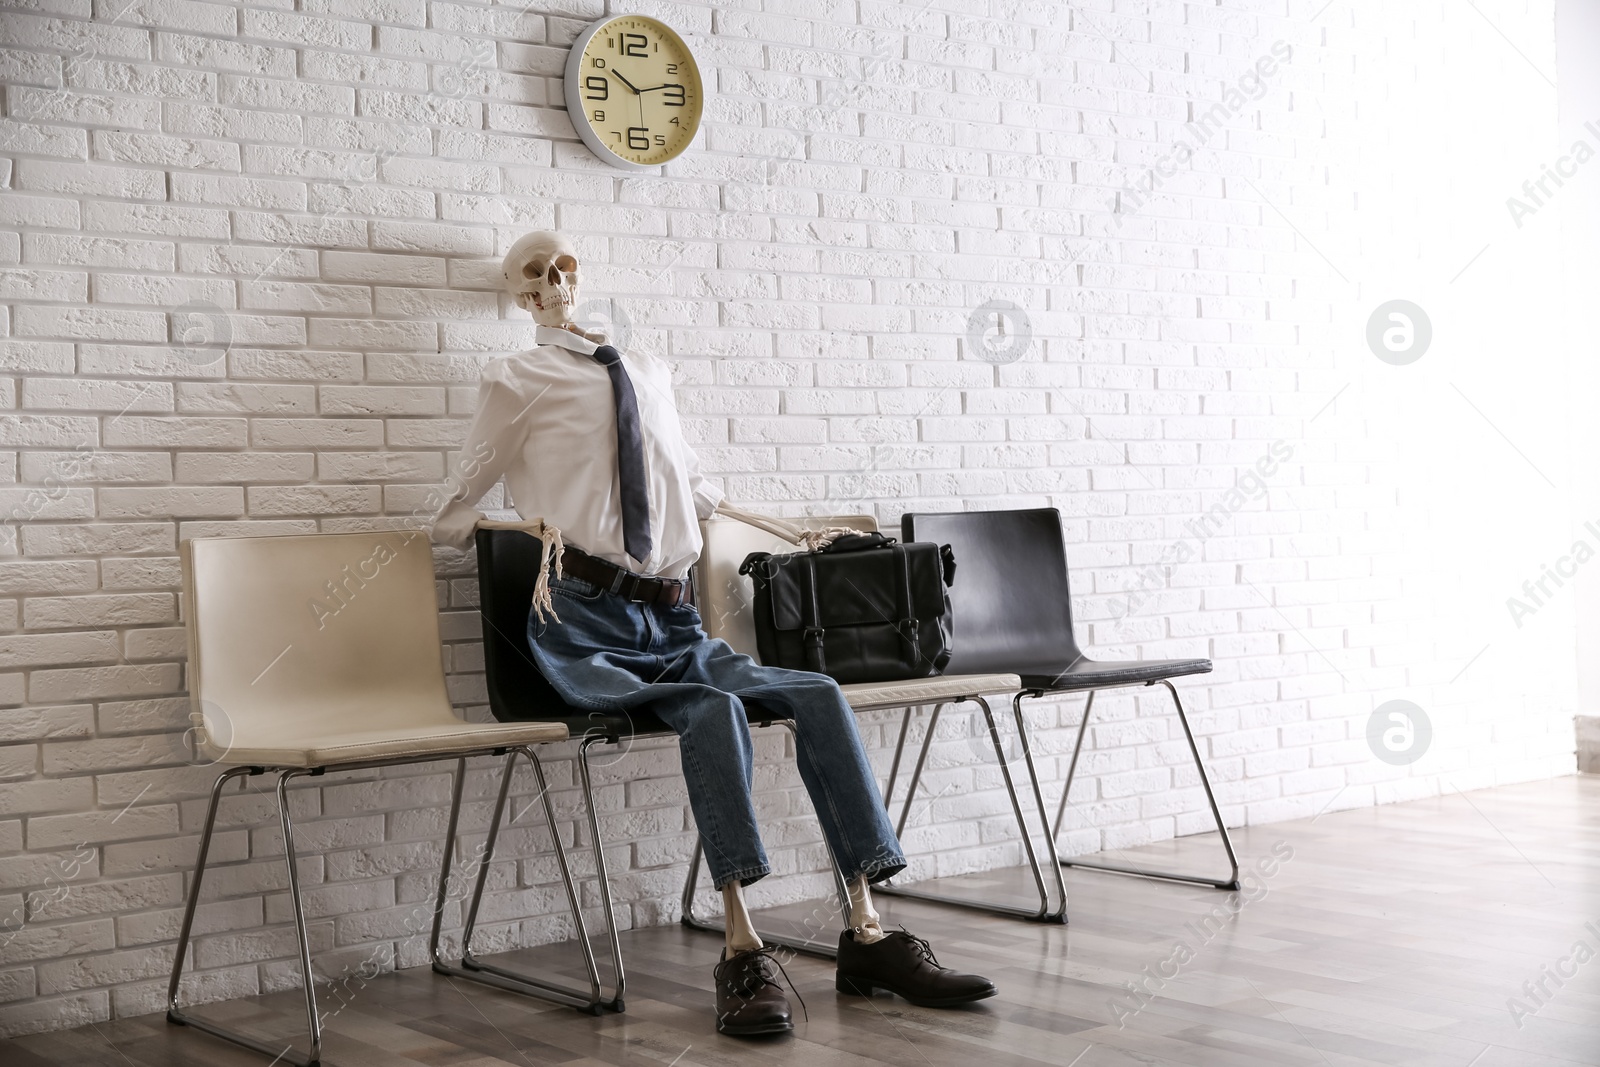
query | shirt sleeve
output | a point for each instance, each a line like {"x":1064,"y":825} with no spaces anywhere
{"x":493,"y":440}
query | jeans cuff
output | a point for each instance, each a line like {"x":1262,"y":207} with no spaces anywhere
{"x":745,"y":875}
{"x":880,"y":869}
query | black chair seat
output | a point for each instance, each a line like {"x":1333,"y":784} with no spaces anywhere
{"x":1101,"y":674}
{"x":508,"y":566}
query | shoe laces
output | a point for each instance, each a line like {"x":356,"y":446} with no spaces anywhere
{"x":757,"y":964}
{"x":922,"y":947}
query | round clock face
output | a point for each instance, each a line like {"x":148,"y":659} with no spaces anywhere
{"x":633,"y":91}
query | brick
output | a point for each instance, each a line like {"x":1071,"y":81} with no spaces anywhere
{"x":89,"y":683}
{"x":178,"y":502}
{"x":191,"y":432}
{"x":90,"y":179}
{"x":316,"y":433}
{"x":89,"y":109}
{"x":49,"y":650}
{"x":91,"y":324}
{"x":88,"y":394}
{"x":94,"y":539}
{"x":120,"y":609}
{"x":90,"y":251}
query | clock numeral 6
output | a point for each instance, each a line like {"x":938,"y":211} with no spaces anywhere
{"x":638,"y":137}
{"x":634,"y":44}
{"x":597,"y":87}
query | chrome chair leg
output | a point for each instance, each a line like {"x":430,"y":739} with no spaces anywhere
{"x":1060,"y":914}
{"x":1072,"y":767}
{"x":279,"y":1052}
{"x":602,"y":871}
{"x":810,"y":946}
{"x":491,"y":974}
{"x":899,"y":749}
{"x":314,"y":1021}
{"x":1229,"y":883}
{"x":1044,"y":912}
{"x":916,"y":771}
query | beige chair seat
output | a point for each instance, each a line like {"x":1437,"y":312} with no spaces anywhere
{"x":317,"y":650}
{"x":865,"y":696}
{"x":295,"y":749}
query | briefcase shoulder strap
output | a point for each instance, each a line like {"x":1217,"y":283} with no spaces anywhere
{"x":811,"y":614}
{"x":906,"y":625}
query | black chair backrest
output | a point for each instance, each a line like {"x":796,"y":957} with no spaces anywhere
{"x":508,"y":565}
{"x":1010,"y":606}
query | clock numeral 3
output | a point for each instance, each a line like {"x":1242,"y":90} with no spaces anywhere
{"x":673,"y":95}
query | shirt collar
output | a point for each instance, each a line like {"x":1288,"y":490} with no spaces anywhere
{"x":554,"y":335}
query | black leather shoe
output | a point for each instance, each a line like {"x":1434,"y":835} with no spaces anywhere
{"x":904,"y":965}
{"x":749,"y":999}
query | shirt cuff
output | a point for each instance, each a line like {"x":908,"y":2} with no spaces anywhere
{"x":455,"y":525}
{"x":706,"y":499}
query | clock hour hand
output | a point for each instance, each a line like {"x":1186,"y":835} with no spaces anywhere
{"x":625,"y":80}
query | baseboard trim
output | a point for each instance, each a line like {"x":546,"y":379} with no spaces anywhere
{"x":1589,"y":744}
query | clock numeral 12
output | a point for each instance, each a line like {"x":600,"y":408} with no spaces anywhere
{"x":634,"y":44}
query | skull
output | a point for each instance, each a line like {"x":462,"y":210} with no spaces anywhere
{"x":541,"y":275}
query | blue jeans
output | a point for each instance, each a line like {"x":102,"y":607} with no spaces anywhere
{"x":607,"y":653}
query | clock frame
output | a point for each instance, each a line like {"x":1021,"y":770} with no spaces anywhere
{"x":631,"y":125}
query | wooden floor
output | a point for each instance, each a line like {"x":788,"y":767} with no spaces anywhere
{"x":1390,"y":936}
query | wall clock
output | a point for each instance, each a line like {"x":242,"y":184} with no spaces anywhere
{"x":633,"y":91}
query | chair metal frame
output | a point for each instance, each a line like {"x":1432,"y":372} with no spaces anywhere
{"x":809,"y":946}
{"x":1229,"y":883}
{"x":470,"y":969}
{"x":1044,"y":913}
{"x":616,"y":1001}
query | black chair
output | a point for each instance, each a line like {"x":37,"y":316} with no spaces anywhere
{"x":1012,"y":611}
{"x":508,"y":566}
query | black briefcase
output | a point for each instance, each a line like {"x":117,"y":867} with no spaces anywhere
{"x":861,"y":609}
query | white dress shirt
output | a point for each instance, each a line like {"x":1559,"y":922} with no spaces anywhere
{"x":547,"y":422}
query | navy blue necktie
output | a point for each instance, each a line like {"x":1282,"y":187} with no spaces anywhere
{"x":630,"y":456}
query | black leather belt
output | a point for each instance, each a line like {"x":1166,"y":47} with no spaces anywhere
{"x":669,"y":592}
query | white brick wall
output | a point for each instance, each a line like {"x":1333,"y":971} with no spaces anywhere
{"x":325,"y":191}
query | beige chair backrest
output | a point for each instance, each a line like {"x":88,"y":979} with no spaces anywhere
{"x":304,"y":635}
{"x":723,"y":594}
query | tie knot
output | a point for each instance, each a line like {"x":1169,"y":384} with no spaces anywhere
{"x":606,"y":355}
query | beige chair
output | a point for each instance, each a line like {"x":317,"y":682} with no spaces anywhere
{"x":725,"y":599}
{"x":320,"y":652}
